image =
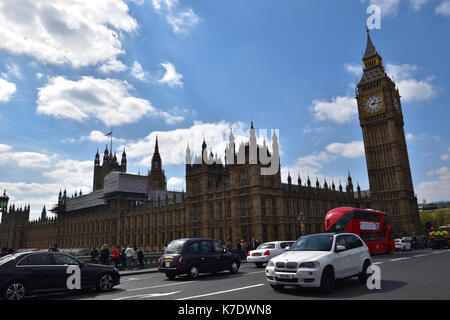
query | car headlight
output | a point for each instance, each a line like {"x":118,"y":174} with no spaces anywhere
{"x":309,"y":264}
{"x":271,"y":263}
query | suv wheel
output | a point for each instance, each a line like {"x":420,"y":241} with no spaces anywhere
{"x":105,"y":283}
{"x":327,"y":281}
{"x":234,"y":268}
{"x":15,"y":290}
{"x":193,"y":273}
{"x":363,"y":275}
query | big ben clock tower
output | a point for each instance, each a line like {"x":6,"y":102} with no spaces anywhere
{"x":381,"y":120}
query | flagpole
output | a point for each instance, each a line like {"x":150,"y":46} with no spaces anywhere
{"x":111,"y":142}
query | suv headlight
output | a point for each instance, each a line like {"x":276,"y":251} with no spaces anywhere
{"x":271,"y":263}
{"x":309,"y":264}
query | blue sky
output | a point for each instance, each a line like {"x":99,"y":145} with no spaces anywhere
{"x":186,"y":69}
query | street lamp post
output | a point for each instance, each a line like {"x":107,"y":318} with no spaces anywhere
{"x":301,"y":220}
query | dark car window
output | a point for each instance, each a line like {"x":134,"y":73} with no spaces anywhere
{"x":205,"y":246}
{"x":284,"y":245}
{"x":352,"y":242}
{"x":61,"y":260}
{"x":218,"y":247}
{"x":6,"y":258}
{"x":194,"y":247}
{"x":39,"y":259}
{"x":340,"y":241}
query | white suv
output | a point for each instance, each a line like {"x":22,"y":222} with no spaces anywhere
{"x":317,"y":260}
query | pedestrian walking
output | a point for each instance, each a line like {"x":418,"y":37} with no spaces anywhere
{"x":94,"y":255}
{"x":104,"y":255}
{"x":135,"y":260}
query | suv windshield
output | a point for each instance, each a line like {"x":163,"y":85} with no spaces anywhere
{"x":317,"y":242}
{"x":175,"y":246}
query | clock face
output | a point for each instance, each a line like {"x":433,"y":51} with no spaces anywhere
{"x":396,"y":104}
{"x":373,"y":104}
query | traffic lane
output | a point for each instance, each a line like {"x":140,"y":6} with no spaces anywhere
{"x":157,"y":283}
{"x":400,"y":279}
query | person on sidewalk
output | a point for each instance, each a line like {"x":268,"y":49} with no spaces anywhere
{"x":116,"y":253}
{"x":104,"y":255}
{"x":94,"y":255}
{"x":129,"y":253}
{"x":140,"y":257}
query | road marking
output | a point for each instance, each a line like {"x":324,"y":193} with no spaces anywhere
{"x":255,"y":272}
{"x":422,"y":255}
{"x":151,"y":295}
{"x":220,"y":292}
{"x":398,"y":259}
{"x":377,"y":263}
{"x":437,"y":252}
{"x":161,"y":286}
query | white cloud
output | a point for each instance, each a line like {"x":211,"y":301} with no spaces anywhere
{"x":107,"y":100}
{"x":437,"y":189}
{"x":7,"y":89}
{"x":173,"y":143}
{"x":353,"y":149}
{"x":26,"y":159}
{"x":418,"y":4}
{"x":387,"y":7}
{"x":175,"y":183}
{"x":138,"y":72}
{"x":4,"y":147}
{"x":97,"y":136}
{"x":354,"y":68}
{"x":411,"y":90}
{"x":14,"y":70}
{"x":112,"y":65}
{"x":181,"y":20}
{"x":339,"y":109}
{"x":171,"y":77}
{"x":77,"y":32}
{"x":410,"y":137}
{"x":443,"y":8}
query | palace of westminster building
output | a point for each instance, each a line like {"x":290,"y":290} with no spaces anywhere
{"x":229,"y":201}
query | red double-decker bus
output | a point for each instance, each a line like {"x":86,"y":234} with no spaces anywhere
{"x":374,"y":227}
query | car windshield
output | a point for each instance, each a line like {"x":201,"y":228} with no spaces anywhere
{"x":175,"y":246}
{"x":6,"y":258}
{"x":317,"y":242}
{"x":267,"y":246}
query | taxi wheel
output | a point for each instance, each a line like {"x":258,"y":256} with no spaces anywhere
{"x":327,"y":281}
{"x":193,"y":273}
{"x":234,"y":267}
{"x":105,"y":283}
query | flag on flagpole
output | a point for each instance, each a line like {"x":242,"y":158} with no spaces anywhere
{"x":108,"y":134}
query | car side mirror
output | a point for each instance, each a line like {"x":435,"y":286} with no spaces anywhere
{"x":82,"y":264}
{"x":340,"y":248}
{"x":287,"y":248}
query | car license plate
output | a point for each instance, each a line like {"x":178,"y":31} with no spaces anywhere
{"x":257,"y":254}
{"x":167,"y":264}
{"x":168,"y":260}
{"x":285,"y":276}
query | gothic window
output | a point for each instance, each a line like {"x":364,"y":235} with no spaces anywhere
{"x":245,"y":207}
{"x":263,"y":206}
{"x":211,"y":211}
{"x":243,"y":177}
{"x":220,"y":210}
{"x":229,"y":209}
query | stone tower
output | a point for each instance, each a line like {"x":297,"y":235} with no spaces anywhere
{"x":156,"y":176}
{"x":381,"y":120}
{"x":109,"y":164}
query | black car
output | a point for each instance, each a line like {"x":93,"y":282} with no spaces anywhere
{"x":195,"y":256}
{"x":30,"y":273}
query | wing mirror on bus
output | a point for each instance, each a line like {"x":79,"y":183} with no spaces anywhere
{"x":340,"y":248}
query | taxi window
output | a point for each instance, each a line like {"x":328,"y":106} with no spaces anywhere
{"x":205,"y":246}
{"x":194,"y":247}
